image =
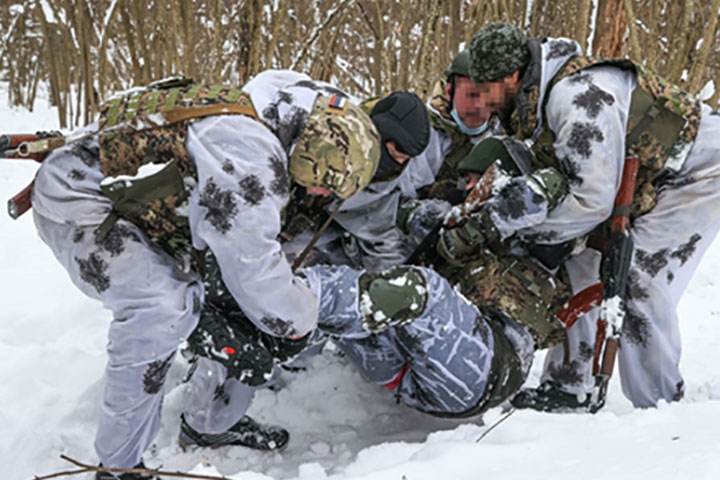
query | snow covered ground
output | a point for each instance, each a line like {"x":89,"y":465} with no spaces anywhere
{"x":52,"y":357}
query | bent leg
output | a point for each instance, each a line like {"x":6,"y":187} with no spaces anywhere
{"x":669,"y":241}
{"x":154,"y":305}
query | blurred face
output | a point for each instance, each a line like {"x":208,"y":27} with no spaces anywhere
{"x":468,"y":102}
{"x":395,"y":153}
{"x":476,"y":102}
{"x":319,"y":191}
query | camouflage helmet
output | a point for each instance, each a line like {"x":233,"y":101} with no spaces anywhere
{"x":460,"y":65}
{"x":496,"y":51}
{"x":339,"y":148}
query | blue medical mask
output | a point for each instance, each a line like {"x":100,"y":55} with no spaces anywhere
{"x":465,"y":129}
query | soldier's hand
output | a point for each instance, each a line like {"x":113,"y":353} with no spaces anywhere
{"x":459,"y":242}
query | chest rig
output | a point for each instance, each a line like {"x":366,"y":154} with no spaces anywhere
{"x":662,"y":125}
{"x":149,"y":174}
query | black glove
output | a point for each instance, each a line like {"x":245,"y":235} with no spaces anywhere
{"x":222,"y":339}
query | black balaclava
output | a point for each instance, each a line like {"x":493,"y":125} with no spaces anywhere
{"x":400,"y":117}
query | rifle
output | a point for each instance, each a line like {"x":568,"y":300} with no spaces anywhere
{"x":614,"y":273}
{"x":27,"y":147}
{"x":611,"y":292}
{"x":425,"y":252}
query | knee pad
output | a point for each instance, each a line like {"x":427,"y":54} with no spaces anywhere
{"x":391,"y":298}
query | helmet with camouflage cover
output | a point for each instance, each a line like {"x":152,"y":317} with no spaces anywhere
{"x":339,"y":148}
{"x":460,"y":65}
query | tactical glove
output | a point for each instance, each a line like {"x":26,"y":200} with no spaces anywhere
{"x":222,"y":339}
{"x":458,"y":243}
{"x":425,"y":217}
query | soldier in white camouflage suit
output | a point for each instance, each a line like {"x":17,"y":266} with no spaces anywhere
{"x":233,"y":174}
{"x":584,"y":115}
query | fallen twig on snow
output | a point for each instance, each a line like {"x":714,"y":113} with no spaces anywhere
{"x":143,"y":471}
{"x":512,"y":410}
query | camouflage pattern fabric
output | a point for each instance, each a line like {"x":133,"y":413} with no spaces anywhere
{"x":519,"y":288}
{"x":339,"y":148}
{"x":225,"y":334}
{"x":302,"y":213}
{"x":664,"y":142}
{"x":122,"y":153}
{"x":496,"y":51}
{"x":524,"y":119}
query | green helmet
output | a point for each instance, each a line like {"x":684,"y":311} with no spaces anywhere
{"x":339,"y":148}
{"x":460,"y":65}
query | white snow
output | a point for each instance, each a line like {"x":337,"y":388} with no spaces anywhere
{"x":145,"y":171}
{"x":52,"y":342}
{"x":707,"y":91}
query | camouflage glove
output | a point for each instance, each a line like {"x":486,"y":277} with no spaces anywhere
{"x":458,"y":243}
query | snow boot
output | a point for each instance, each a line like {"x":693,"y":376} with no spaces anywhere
{"x":124,"y":476}
{"x":246,"y":432}
{"x":549,"y":397}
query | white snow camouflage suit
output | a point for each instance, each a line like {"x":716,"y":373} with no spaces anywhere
{"x":588,"y":113}
{"x":154,"y":302}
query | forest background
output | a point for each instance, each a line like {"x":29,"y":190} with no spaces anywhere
{"x":83,"y":50}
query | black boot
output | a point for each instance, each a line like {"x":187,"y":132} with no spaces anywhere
{"x":124,"y":476}
{"x":246,"y":432}
{"x":549,"y":397}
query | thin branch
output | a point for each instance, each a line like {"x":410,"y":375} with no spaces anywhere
{"x":512,"y":410}
{"x":317,"y":32}
{"x":143,"y":471}
{"x":62,"y":474}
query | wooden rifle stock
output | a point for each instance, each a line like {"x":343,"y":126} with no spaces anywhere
{"x":16,"y":147}
{"x":21,"y":202}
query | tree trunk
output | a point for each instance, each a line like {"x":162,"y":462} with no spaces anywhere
{"x":634,"y":42}
{"x":699,"y":71}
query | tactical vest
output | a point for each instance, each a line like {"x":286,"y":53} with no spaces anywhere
{"x":149,"y":173}
{"x":518,"y":287}
{"x":662,"y":125}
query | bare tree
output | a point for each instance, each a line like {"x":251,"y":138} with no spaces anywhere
{"x":84,"y":50}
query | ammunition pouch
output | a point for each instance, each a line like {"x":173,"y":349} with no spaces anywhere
{"x":519,"y":288}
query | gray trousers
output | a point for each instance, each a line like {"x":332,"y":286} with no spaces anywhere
{"x":448,"y":348}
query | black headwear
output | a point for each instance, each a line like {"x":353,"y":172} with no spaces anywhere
{"x":400,"y":117}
